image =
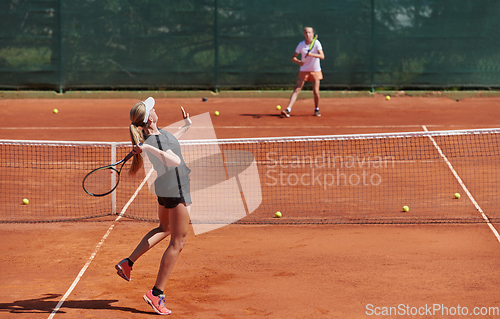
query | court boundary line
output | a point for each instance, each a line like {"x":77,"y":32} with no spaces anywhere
{"x":249,"y":127}
{"x":96,"y":249}
{"x":462,"y":184}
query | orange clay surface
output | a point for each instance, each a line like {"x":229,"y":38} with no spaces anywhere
{"x":244,"y":271}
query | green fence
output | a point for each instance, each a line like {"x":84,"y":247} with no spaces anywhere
{"x":213,"y":44}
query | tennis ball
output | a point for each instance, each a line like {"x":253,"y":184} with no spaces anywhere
{"x":457,"y":195}
{"x":387,"y":97}
{"x":56,"y":111}
{"x":278,"y":107}
{"x":277,"y":214}
{"x":406,"y":208}
{"x":26,"y":201}
{"x":216,"y":113}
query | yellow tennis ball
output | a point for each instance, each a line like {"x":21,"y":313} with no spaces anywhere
{"x":216,"y":113}
{"x":277,"y":214}
{"x":406,"y":208}
{"x":26,"y":201}
{"x":457,"y":195}
{"x":56,"y":111}
{"x":387,"y":97}
{"x":278,"y":107}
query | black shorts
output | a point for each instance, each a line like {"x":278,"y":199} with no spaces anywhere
{"x":171,"y":202}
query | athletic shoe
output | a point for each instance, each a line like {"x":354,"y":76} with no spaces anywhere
{"x":123,"y":269}
{"x":285,"y":113}
{"x":156,"y":302}
{"x":317,"y":113}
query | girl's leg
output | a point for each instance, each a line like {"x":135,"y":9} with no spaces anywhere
{"x":295,"y":94}
{"x":316,"y":93}
{"x":178,"y":219}
{"x":154,"y":236}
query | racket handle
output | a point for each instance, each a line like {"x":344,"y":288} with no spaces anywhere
{"x":129,"y":155}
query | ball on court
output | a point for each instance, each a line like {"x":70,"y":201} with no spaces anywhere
{"x":26,"y":201}
{"x":56,"y":111}
{"x":457,"y":195}
{"x":406,"y":208}
{"x":216,"y":113}
{"x":277,"y":214}
{"x":278,"y":107}
{"x":387,"y":97}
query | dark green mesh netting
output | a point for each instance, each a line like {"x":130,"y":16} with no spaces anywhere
{"x":207,"y":44}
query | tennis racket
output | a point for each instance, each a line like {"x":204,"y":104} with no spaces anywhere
{"x":312,"y":44}
{"x":104,"y":180}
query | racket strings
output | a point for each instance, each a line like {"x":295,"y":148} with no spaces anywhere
{"x":101,"y":181}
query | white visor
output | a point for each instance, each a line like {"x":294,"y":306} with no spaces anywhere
{"x":150,"y":103}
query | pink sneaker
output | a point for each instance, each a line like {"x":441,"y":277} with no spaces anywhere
{"x":123,"y":269}
{"x":157,"y":303}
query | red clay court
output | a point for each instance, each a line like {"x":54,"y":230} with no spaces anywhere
{"x":251,"y":271}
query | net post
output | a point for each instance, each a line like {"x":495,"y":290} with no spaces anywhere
{"x":372,"y":49}
{"x":216,"y":48}
{"x":113,"y":179}
{"x":59,"y":39}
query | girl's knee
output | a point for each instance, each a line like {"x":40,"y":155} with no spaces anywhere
{"x":178,"y":242}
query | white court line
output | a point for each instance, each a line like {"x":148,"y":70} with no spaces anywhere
{"x":103,"y":239}
{"x":217,"y":126}
{"x":231,"y":127}
{"x":246,"y":127}
{"x":466,"y":190}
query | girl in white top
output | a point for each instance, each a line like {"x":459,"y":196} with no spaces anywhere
{"x":310,"y":69}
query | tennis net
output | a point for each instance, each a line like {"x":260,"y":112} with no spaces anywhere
{"x":365,"y":178}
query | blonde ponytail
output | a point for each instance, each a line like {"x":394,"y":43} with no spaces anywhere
{"x":136,"y":137}
{"x":137,"y":114}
